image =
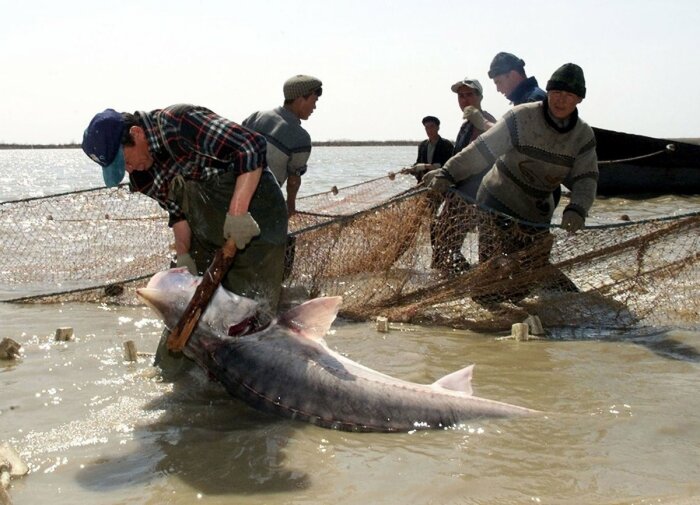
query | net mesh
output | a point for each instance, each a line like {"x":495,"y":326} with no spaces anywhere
{"x":389,"y":249}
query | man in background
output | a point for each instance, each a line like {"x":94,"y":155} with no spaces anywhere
{"x":453,"y":224}
{"x":470,"y":93}
{"x":289,"y":144}
{"x":508,"y":74}
{"x":534,"y":149}
{"x":434,"y":151}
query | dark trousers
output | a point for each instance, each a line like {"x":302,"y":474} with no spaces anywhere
{"x":448,"y":230}
{"x":518,"y":256}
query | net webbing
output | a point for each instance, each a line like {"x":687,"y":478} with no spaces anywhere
{"x":371,"y":243}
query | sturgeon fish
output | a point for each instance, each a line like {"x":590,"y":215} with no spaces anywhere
{"x":287,"y":369}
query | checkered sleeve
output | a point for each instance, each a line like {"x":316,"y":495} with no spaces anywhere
{"x":220,"y":144}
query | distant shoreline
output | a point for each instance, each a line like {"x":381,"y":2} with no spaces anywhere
{"x":325,"y":143}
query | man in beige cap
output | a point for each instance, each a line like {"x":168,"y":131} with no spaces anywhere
{"x":452,"y":226}
{"x":469,"y":97}
{"x":289,"y":145}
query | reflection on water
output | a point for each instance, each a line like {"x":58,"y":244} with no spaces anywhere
{"x":61,"y":170}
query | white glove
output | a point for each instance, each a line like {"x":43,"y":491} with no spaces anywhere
{"x":475,"y":117}
{"x":418,"y":168}
{"x":241,"y":229}
{"x":185,"y":260}
{"x":571,"y":221}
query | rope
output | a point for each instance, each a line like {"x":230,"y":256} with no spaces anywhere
{"x":56,"y":195}
{"x":668,"y":148}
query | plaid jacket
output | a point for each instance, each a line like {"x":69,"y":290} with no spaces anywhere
{"x":196,"y":143}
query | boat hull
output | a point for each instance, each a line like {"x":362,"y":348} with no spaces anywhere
{"x":632,"y":165}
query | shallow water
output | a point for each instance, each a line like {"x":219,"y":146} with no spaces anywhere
{"x":621,"y":422}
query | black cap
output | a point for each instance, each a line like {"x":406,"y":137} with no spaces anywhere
{"x":431,"y":119}
{"x":568,"y":77}
{"x":503,"y":63}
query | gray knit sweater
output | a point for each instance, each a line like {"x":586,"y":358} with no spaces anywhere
{"x":288,"y":144}
{"x":530,"y":156}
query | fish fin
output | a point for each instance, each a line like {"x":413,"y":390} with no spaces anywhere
{"x":313,"y":318}
{"x":461,"y":380}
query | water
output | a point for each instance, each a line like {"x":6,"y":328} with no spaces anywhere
{"x":622,"y":424}
{"x":28,"y":173}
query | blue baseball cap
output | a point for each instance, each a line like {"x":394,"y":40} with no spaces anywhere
{"x":102,"y":142}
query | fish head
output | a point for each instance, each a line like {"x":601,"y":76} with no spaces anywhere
{"x":169,"y":292}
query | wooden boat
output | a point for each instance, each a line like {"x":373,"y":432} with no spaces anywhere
{"x":636,"y":165}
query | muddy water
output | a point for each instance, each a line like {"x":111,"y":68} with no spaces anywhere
{"x":621,"y":423}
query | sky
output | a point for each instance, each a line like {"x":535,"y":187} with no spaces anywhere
{"x":384,"y":64}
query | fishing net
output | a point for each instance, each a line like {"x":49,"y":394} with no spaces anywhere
{"x":389,"y":249}
{"x":92,"y":245}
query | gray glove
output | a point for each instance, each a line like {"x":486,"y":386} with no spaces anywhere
{"x":571,"y":221}
{"x":185,"y":260}
{"x":438,"y":180}
{"x":241,"y":229}
{"x":475,"y":117}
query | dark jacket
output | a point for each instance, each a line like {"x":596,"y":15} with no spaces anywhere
{"x":527,"y":91}
{"x":443,"y":151}
{"x":467,"y":133}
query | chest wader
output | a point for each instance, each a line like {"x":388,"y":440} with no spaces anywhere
{"x":520,"y":250}
{"x":257,"y":269}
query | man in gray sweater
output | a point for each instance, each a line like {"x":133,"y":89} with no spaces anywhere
{"x":289,"y":144}
{"x":530,"y":152}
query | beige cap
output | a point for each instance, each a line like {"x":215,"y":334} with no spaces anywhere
{"x":471,"y":83}
{"x":300,"y":85}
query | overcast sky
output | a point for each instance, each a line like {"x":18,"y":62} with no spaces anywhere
{"x":384,"y":65}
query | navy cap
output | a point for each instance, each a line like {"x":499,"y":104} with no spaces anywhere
{"x":102,"y":142}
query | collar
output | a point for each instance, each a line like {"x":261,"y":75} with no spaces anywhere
{"x":521,"y":90}
{"x":154,"y":141}
{"x":559,"y":125}
{"x":287,"y":115}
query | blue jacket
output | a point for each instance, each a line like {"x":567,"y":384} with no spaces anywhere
{"x":527,"y":91}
